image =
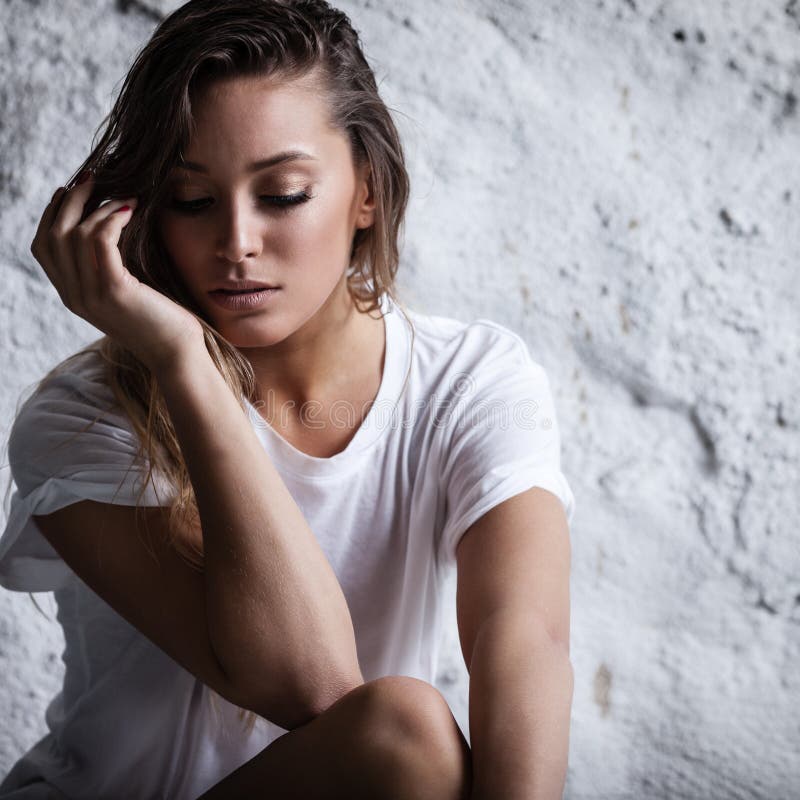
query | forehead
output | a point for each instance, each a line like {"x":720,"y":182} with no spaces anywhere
{"x":258,"y":113}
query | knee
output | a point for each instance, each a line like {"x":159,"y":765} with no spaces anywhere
{"x":406,"y":708}
{"x":411,"y":733}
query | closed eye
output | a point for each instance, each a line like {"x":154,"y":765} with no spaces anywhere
{"x":283,"y":202}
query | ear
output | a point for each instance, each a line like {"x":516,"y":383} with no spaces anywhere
{"x":365,"y":211}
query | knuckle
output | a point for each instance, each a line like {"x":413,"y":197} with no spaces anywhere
{"x":81,"y":233}
{"x":55,"y":233}
{"x":105,"y":236}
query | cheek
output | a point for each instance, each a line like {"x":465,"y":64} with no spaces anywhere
{"x":323,"y":227}
{"x":181,"y":243}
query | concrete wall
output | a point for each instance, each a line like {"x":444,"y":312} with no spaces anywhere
{"x":619,"y":182}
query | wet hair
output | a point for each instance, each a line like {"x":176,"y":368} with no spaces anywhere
{"x":144,"y":137}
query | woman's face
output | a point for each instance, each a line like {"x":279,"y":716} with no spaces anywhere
{"x":290,"y":225}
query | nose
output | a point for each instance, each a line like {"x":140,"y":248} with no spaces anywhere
{"x":240,"y":232}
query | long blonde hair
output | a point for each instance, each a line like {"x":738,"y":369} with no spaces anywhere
{"x":144,"y":136}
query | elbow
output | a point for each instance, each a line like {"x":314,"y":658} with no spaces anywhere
{"x":286,"y":709}
{"x":326,"y":693}
{"x":292,"y":708}
{"x":328,"y":677}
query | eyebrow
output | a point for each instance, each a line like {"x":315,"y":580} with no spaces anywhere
{"x":264,"y":163}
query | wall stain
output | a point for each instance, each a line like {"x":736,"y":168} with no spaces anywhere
{"x":626,"y":320}
{"x":602,"y":689}
{"x":734,"y":228}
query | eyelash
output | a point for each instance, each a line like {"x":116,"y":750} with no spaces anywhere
{"x":282,"y":202}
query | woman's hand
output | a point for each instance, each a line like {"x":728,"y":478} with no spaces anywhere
{"x":83,"y":261}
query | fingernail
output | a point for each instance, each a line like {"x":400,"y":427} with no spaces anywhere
{"x":123,"y":208}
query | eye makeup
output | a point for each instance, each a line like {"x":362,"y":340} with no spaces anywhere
{"x":279,"y":202}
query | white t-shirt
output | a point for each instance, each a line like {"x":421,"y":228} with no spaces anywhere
{"x":463,"y":420}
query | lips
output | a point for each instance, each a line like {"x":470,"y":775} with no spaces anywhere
{"x":246,"y":301}
{"x":232,"y":287}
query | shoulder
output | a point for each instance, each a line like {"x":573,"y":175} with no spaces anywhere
{"x":477,"y":347}
{"x":73,"y":390}
{"x":80,"y":377}
{"x":71,"y":416}
{"x":471,"y":376}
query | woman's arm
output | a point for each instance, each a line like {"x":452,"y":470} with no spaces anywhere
{"x":513,"y":616}
{"x":272,"y":597}
{"x":274,"y":610}
{"x":520,"y":696}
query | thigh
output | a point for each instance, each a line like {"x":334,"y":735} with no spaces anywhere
{"x":377,"y":741}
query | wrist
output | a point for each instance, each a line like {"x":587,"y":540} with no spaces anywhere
{"x":171,"y":364}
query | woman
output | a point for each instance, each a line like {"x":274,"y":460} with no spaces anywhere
{"x":247,"y":494}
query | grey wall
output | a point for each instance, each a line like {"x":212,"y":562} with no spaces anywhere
{"x":619,"y":182}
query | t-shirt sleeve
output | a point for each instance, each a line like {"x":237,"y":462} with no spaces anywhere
{"x":502,"y":438}
{"x":69,"y":442}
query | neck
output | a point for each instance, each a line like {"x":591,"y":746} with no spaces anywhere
{"x":320,"y":361}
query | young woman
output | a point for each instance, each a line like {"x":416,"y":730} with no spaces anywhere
{"x":247,"y":494}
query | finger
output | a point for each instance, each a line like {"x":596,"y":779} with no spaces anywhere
{"x":101,"y":214}
{"x":73,"y":202}
{"x":46,"y":220}
{"x":40,"y":246}
{"x":96,"y":248}
{"x":111,"y":271}
{"x":61,"y":240}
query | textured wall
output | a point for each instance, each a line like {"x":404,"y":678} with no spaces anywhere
{"x":619,"y":182}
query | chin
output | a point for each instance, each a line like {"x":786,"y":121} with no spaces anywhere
{"x":251,"y":333}
{"x":243,"y":341}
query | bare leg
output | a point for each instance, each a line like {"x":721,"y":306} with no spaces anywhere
{"x":393,"y":738}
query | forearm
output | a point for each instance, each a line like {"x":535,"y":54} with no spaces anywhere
{"x":275,"y":608}
{"x":520,"y":698}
